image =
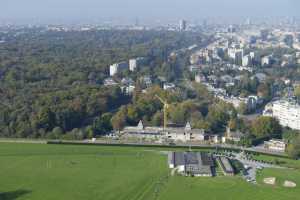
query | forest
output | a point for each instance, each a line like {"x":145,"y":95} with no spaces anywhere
{"x":51,"y":83}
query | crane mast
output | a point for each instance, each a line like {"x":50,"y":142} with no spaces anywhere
{"x":166,"y":106}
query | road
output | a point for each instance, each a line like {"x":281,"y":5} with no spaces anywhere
{"x":178,"y":145}
{"x":109,"y":141}
{"x":31,"y":141}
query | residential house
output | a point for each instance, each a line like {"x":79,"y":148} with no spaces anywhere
{"x":275,"y":145}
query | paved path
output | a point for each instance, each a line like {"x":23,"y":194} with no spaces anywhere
{"x":4,"y":140}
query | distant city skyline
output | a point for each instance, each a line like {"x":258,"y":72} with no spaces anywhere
{"x":50,"y":11}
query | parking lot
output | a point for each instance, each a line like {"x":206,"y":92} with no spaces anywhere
{"x":251,"y":167}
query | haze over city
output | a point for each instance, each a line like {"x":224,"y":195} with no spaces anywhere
{"x":54,"y":11}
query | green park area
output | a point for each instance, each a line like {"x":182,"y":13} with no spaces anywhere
{"x":75,"y":172}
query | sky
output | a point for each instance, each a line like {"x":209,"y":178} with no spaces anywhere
{"x":80,"y":10}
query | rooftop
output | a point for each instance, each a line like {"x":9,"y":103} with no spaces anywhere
{"x":226,"y":165}
{"x":195,"y":163}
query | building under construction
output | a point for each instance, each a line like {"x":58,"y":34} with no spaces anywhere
{"x":183,"y":134}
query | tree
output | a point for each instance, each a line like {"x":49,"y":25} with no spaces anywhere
{"x":89,"y":132}
{"x":290,"y":135}
{"x":293,"y":148}
{"x":102,"y":125}
{"x":246,"y":140}
{"x":243,"y":109}
{"x":218,"y":116}
{"x":266,"y":127}
{"x":132,"y":114}
{"x":202,"y":124}
{"x":232,"y":124}
{"x":297,"y":92}
{"x":254,"y":84}
{"x":264,"y":91}
{"x":56,"y":133}
{"x":118,"y":121}
{"x":177,"y":114}
{"x":157,"y":119}
{"x":137,"y":91}
{"x":195,"y":118}
{"x":46,"y":119}
{"x":23,"y":130}
{"x":201,"y":91}
{"x":75,"y":134}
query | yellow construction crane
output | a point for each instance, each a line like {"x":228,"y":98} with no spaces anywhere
{"x":166,"y":106}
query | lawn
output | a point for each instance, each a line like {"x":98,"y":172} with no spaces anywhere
{"x":68,"y":172}
{"x":48,"y":172}
{"x":231,"y":188}
{"x":286,"y":162}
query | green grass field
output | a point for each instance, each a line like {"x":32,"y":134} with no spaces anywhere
{"x":68,"y":172}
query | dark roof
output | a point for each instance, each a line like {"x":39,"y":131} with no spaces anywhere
{"x":226,"y":165}
{"x":207,"y":159}
{"x":191,"y":158}
{"x":195,"y":163}
{"x":178,"y":158}
{"x":198,"y":163}
{"x":198,"y":170}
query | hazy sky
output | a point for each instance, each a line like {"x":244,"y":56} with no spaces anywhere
{"x":68,"y":10}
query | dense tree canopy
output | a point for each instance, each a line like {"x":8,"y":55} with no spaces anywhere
{"x":293,"y":149}
{"x":51,"y":82}
{"x":264,"y":127}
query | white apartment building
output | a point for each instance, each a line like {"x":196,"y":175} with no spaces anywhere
{"x":287,"y":60}
{"x":182,"y":25}
{"x":288,"y":113}
{"x":236,"y":54}
{"x":247,"y":60}
{"x":254,"y":56}
{"x":135,"y":63}
{"x":117,"y":67}
{"x":266,"y":61}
